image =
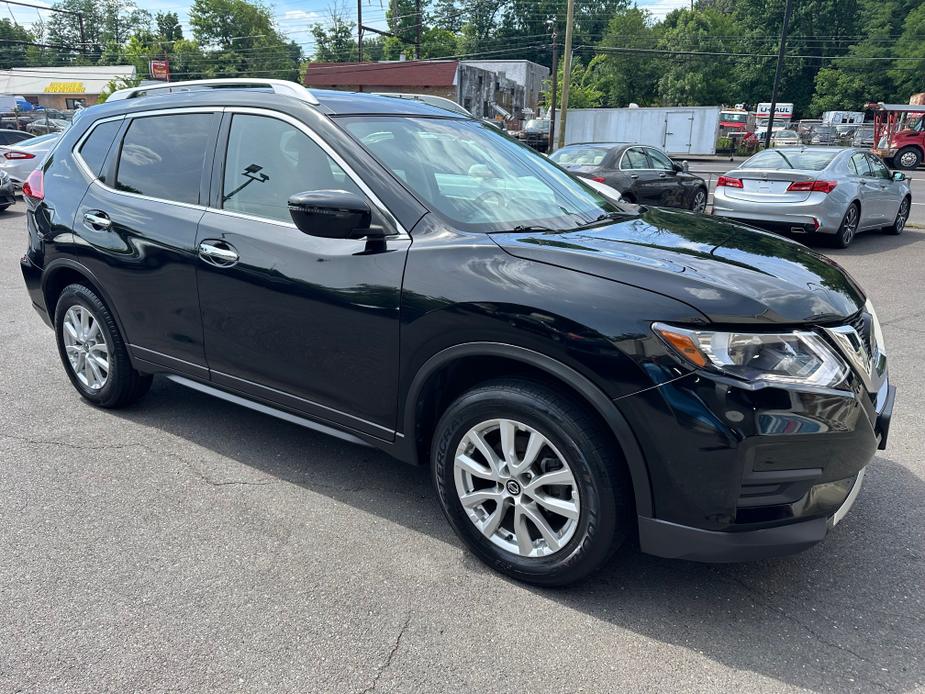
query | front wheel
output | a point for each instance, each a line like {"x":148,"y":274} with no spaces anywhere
{"x":530,"y":481}
{"x":902,"y":216}
{"x":699,"y":201}
{"x":907,"y":158}
{"x":849,"y":227}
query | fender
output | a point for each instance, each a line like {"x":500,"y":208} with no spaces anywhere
{"x":635,"y":461}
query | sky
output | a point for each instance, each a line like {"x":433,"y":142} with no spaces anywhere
{"x":294,"y":17}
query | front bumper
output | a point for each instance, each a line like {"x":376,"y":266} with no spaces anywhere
{"x":739,"y":475}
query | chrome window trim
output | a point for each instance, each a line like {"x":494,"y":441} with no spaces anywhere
{"x":327,"y":149}
{"x":251,"y":217}
{"x":642,"y":148}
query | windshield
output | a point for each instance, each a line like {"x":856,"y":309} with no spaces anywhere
{"x":476,"y":177}
{"x":807,"y":160}
{"x":785,"y":134}
{"x":581,"y":155}
{"x":734,"y":117}
{"x":537,"y":124}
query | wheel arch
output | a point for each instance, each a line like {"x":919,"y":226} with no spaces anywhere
{"x":64,"y":271}
{"x":426,"y":398}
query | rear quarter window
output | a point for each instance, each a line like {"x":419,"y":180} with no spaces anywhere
{"x":94,"y":149}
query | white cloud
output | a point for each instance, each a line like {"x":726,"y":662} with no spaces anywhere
{"x":300,"y":16}
{"x":659,"y":8}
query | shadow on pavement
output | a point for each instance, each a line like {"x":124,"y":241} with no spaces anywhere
{"x":845,"y":615}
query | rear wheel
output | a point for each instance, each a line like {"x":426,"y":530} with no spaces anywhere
{"x":529,"y":481}
{"x":93,"y":352}
{"x":908,"y":158}
{"x":902,"y":216}
{"x":849,"y":226}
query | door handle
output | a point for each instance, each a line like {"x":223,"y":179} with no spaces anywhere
{"x":96,"y":220}
{"x":634,"y":176}
{"x":218,"y":253}
{"x":663,"y":175}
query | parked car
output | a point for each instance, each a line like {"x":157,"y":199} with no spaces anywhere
{"x":863,"y":137}
{"x":642,"y":174}
{"x":7,"y":192}
{"x":535,"y":134}
{"x":823,"y":135}
{"x":574,"y":371}
{"x":47,"y":125}
{"x":19,"y":160}
{"x":804,"y":129}
{"x":785,"y":138}
{"x":11,"y":137}
{"x":833,"y":191}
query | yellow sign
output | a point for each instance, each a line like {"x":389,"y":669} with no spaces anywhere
{"x":65,"y":88}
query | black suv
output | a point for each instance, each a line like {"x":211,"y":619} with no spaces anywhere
{"x":574,"y":372}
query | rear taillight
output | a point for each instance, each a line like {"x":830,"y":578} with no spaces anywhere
{"x":811,"y":187}
{"x":34,"y":187}
{"x":729,"y":182}
{"x":18,"y":155}
{"x":599,"y":179}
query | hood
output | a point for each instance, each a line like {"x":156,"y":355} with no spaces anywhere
{"x":728,"y":272}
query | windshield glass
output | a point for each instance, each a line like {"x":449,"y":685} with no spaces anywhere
{"x":475,"y":176}
{"x":583,"y":155}
{"x":785,"y":134}
{"x":537,"y":124}
{"x":734,"y":117}
{"x":807,"y":160}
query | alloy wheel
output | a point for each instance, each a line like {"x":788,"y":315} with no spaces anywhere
{"x":700,"y":201}
{"x":850,"y":225}
{"x":86,"y":348}
{"x":902,"y":216}
{"x":516,"y":488}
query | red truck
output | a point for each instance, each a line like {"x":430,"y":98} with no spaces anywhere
{"x":899,"y":132}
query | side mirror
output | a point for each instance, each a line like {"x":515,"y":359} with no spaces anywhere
{"x":332,"y":214}
{"x":899,"y":176}
{"x":683,"y":167}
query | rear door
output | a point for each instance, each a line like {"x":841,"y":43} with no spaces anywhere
{"x":138,"y":224}
{"x":644,"y":184}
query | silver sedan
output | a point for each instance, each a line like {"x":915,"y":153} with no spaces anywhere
{"x":815,"y":190}
{"x":20,"y":159}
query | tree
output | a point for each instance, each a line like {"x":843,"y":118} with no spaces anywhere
{"x":116,"y":84}
{"x":585,"y":89}
{"x":630,"y":77}
{"x":168,"y":27}
{"x":908,"y":71}
{"x":240,"y":38}
{"x":334,"y":43}
{"x":104,"y":21}
{"x":13,"y":44}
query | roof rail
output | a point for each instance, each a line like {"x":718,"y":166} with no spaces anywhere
{"x":284,"y":87}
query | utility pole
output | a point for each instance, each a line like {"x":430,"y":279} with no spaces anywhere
{"x":555,"y":89}
{"x":788,"y":8}
{"x":567,"y":68}
{"x":359,"y":31}
{"x":417,"y":30}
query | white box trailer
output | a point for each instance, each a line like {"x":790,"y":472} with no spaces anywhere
{"x":680,"y":131}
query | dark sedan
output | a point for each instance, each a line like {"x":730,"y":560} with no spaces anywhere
{"x":643,"y":174}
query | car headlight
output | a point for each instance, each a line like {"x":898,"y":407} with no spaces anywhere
{"x":760,"y":359}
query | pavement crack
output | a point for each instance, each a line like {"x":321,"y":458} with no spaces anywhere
{"x":396,"y":644}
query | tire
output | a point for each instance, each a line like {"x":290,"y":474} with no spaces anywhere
{"x":575,"y":446}
{"x":91,"y":343}
{"x":849,"y":226}
{"x":902,"y":216}
{"x":908,"y":158}
{"x":4,"y":208}
{"x":699,"y":201}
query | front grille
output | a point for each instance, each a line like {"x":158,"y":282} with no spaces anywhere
{"x":861,"y":323}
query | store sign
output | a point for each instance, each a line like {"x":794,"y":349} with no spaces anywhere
{"x":160,"y":70}
{"x":65,"y":88}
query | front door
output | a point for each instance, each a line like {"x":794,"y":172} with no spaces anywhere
{"x":645,"y":185}
{"x":305,"y":322}
{"x":670,"y":190}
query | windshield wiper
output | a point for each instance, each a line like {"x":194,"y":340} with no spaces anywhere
{"x":520,"y":228}
{"x":606,"y":217}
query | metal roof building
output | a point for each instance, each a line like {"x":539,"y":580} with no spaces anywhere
{"x":61,"y":87}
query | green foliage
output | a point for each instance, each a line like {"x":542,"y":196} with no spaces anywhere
{"x":116,"y":84}
{"x":584,"y":86}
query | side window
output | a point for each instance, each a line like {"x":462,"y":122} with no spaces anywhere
{"x":878,"y":168}
{"x":163,"y":156}
{"x":95,"y":148}
{"x":267,"y":161}
{"x":859,"y":165}
{"x":660,"y":161}
{"x":634,"y":158}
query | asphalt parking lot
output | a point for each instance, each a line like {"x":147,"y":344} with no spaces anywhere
{"x":186,"y":544}
{"x":710,"y":170}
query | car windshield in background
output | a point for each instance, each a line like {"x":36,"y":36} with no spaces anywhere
{"x":806,"y":160}
{"x":537,"y":125}
{"x":786,"y":133}
{"x":581,"y":155}
{"x":476,"y":177}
